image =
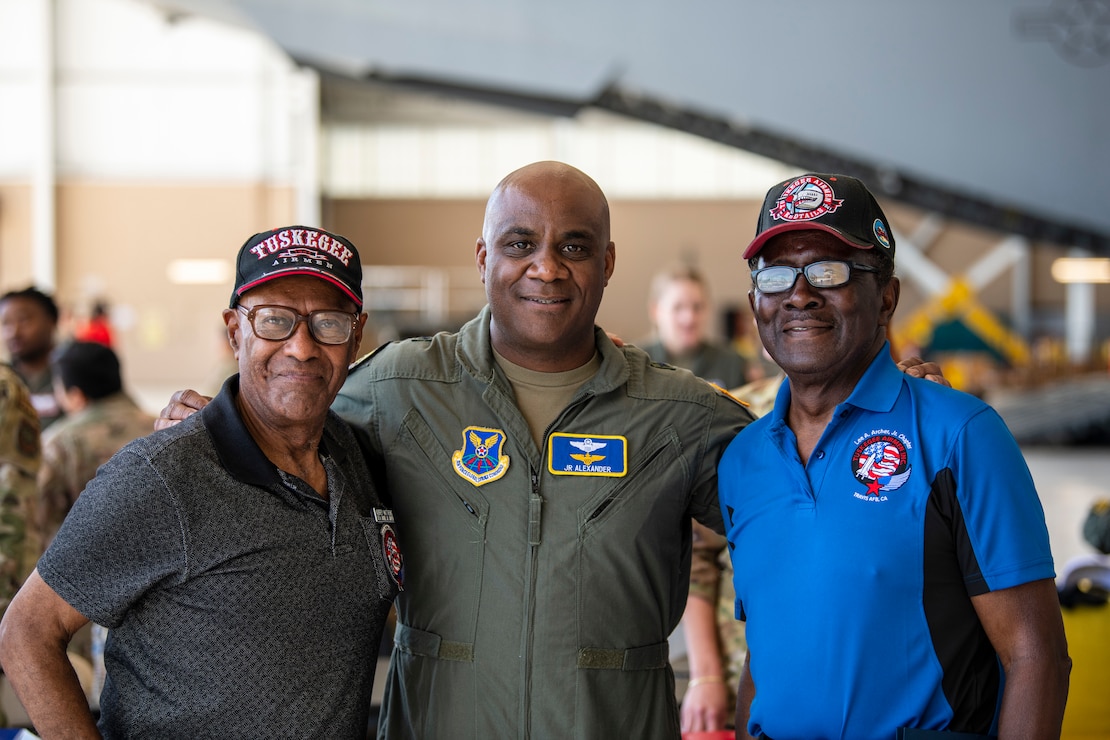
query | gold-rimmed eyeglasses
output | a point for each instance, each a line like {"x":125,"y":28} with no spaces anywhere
{"x":277,"y":323}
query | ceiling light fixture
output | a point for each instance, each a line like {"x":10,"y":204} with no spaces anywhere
{"x":1081,"y":270}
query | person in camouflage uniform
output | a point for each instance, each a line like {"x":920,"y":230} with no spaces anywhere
{"x":28,"y":322}
{"x":716,"y":653}
{"x":100,"y":419}
{"x":20,"y":456}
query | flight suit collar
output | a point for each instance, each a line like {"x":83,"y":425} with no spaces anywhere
{"x":475,"y":354}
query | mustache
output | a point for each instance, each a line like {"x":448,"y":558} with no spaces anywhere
{"x":802,"y":315}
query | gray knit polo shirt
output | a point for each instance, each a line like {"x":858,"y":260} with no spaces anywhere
{"x":240,"y":603}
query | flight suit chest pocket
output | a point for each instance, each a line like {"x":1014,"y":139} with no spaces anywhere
{"x":658,"y":475}
{"x":422,"y":463}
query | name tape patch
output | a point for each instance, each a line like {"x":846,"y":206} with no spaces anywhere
{"x":587,"y":454}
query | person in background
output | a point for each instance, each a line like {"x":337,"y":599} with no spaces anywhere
{"x":242,"y":559}
{"x":98,"y":327}
{"x":20,"y":457}
{"x":28,"y":323}
{"x":680,"y":311}
{"x":100,"y":419}
{"x":892,"y":559}
{"x":715,"y":644}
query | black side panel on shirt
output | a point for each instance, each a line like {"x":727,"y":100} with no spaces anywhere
{"x":952,"y":576}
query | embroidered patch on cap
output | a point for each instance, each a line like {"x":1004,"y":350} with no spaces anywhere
{"x":587,"y":454}
{"x":480,"y":460}
{"x":805,"y":199}
{"x":298,"y":250}
{"x":880,"y":233}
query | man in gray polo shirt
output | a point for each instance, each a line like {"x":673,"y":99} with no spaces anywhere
{"x":242,"y":560}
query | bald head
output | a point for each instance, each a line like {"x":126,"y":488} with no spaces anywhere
{"x":545,"y":258}
{"x":554,"y":178}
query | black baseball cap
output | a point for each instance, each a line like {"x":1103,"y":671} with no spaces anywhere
{"x":298,"y":250}
{"x":838,"y":204}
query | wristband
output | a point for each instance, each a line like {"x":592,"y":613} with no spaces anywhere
{"x":704,"y":679}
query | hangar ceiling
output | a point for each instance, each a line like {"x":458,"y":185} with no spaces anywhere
{"x":996,"y":113}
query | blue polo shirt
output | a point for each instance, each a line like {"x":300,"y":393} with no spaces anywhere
{"x":854,"y":572}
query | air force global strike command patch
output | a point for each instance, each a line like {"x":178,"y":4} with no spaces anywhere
{"x":481,"y":460}
{"x":587,"y":454}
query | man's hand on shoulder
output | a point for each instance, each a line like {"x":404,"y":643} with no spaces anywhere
{"x":182,"y":405}
{"x":916,"y":367}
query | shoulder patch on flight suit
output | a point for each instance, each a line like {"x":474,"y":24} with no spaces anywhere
{"x":587,"y":454}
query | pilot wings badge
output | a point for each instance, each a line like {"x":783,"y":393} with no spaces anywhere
{"x":587,"y":446}
{"x":480,"y":460}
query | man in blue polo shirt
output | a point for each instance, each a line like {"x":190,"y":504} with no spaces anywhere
{"x":892,"y":560}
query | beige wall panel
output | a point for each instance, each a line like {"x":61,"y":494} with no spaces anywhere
{"x":15,"y":237}
{"x":117,"y":241}
{"x":409,"y":232}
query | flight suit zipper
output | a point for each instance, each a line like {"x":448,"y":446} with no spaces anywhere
{"x":535,"y":506}
{"x":535,"y":538}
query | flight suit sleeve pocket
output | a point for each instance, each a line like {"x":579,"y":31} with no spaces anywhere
{"x":431,"y":645}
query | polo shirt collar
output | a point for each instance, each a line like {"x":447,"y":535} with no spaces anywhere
{"x":877,"y":389}
{"x":239,"y":453}
{"x":881,"y":384}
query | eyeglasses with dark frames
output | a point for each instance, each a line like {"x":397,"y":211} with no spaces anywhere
{"x":277,"y":323}
{"x":823,"y":274}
